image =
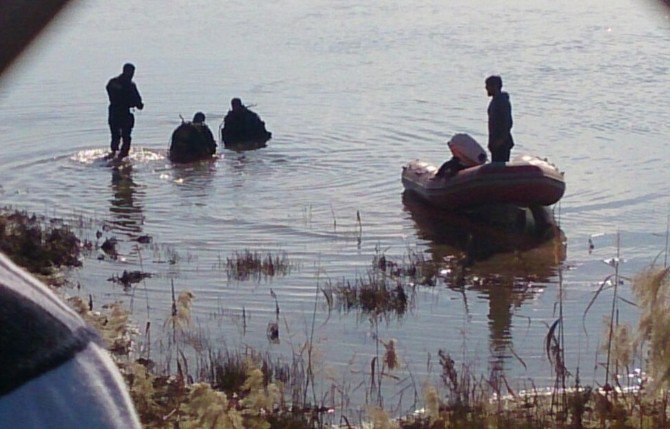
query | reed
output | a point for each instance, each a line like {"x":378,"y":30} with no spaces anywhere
{"x":246,"y":265}
{"x":373,"y":295}
{"x":202,"y":386}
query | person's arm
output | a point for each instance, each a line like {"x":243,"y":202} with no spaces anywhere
{"x":136,"y":98}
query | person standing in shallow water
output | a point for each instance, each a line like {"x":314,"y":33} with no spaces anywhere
{"x":123,"y":95}
{"x":500,"y":120}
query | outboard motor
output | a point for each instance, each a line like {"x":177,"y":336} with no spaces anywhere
{"x":467,"y":150}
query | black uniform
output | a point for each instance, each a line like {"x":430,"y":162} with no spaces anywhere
{"x":243,"y":125}
{"x":192,"y":141}
{"x":123,"y":95}
{"x":500,"y":127}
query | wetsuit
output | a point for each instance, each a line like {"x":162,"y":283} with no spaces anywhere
{"x":192,"y":141}
{"x":123,"y":95}
{"x":243,"y":125}
{"x":500,"y":127}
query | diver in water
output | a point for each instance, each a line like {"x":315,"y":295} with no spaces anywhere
{"x":243,"y":125}
{"x":192,"y":141}
{"x":199,"y":123}
{"x":123,"y":95}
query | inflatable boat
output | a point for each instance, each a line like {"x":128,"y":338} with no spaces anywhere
{"x":527,"y":181}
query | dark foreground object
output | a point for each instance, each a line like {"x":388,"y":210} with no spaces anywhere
{"x":55,"y":371}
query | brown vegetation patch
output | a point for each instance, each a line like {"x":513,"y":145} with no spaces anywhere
{"x":36,"y":244}
{"x":247,"y":265}
{"x":374,"y":295}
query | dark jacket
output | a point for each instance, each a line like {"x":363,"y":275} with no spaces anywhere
{"x":123,"y":95}
{"x":450,"y":168}
{"x":192,"y":142}
{"x":243,"y":125}
{"x":500,"y":120}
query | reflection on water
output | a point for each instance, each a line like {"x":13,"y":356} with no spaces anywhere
{"x":126,"y":211}
{"x":476,"y":238}
{"x":195,"y":179}
{"x":502,"y":259}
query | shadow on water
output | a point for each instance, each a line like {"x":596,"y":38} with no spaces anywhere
{"x":127,"y":215}
{"x":497,"y":254}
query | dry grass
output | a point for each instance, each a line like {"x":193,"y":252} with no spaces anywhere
{"x":245,"y":389}
{"x":652,"y":290}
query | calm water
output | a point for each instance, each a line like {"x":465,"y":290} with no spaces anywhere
{"x":351,"y":92}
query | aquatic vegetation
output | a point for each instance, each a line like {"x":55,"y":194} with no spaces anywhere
{"x":247,"y":265}
{"x":37,"y":244}
{"x":413,"y":267}
{"x":373,"y":295}
{"x":109,"y":247}
{"x":385,"y":288}
{"x":128,"y":278}
{"x":199,"y":386}
{"x":249,"y":389}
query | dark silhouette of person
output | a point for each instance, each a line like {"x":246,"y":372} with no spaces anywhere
{"x":500,"y":120}
{"x":199,"y":123}
{"x":450,"y":168}
{"x":123,"y":95}
{"x":192,"y":141}
{"x":466,"y":153}
{"x":241,"y":125}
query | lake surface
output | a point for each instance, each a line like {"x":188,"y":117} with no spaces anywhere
{"x":351,"y":92}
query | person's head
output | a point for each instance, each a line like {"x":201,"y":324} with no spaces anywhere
{"x":236,"y":103}
{"x":493,"y":85}
{"x":199,"y":118}
{"x":128,"y":70}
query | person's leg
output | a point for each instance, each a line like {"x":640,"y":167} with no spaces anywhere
{"x":500,"y":154}
{"x":125,"y":136}
{"x":125,"y":146}
{"x":115,"y":131}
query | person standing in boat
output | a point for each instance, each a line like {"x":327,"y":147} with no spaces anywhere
{"x":123,"y":95}
{"x":500,"y":120}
